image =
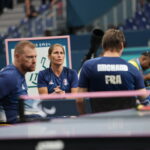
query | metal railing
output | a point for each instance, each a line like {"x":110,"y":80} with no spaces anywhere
{"x":53,"y":19}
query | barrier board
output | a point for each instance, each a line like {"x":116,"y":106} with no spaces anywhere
{"x":42,"y":45}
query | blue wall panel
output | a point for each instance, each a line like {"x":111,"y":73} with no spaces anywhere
{"x":137,"y":38}
{"x":81,"y":44}
{"x":82,"y":12}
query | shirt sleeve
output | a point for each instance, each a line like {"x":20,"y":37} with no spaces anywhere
{"x":134,"y":64}
{"x":83,"y":78}
{"x":41,"y":80}
{"x":7,"y":84}
{"x":139,"y":80}
{"x":139,"y":84}
{"x":74,"y":77}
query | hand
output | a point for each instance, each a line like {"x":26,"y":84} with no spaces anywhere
{"x":146,"y":101}
{"x":57,"y":90}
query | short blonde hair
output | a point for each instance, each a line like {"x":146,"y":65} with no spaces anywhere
{"x":19,"y":48}
{"x":112,"y":39}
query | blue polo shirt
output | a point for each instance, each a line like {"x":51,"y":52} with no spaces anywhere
{"x":67,"y":80}
{"x":12,"y":85}
{"x":110,"y":74}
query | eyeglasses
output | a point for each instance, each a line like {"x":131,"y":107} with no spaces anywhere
{"x":147,"y":53}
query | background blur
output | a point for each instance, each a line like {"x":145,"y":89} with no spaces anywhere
{"x":77,"y":18}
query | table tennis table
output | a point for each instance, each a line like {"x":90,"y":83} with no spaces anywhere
{"x":115,"y":130}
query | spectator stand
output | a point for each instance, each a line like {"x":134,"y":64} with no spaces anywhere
{"x":49,"y":18}
{"x":140,"y":20}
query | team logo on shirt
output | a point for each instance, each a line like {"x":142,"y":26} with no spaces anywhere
{"x":65,"y":82}
{"x":113,"y":79}
{"x":51,"y":82}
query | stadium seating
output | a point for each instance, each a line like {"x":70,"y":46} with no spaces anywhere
{"x":140,"y":20}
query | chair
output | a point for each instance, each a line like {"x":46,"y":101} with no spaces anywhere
{"x":12,"y":29}
{"x":142,"y":23}
{"x":129,"y":23}
{"x":147,"y":7}
{"x":43,"y":8}
{"x":139,"y":14}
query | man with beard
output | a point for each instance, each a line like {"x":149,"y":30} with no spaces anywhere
{"x":142,"y":63}
{"x":12,"y":79}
